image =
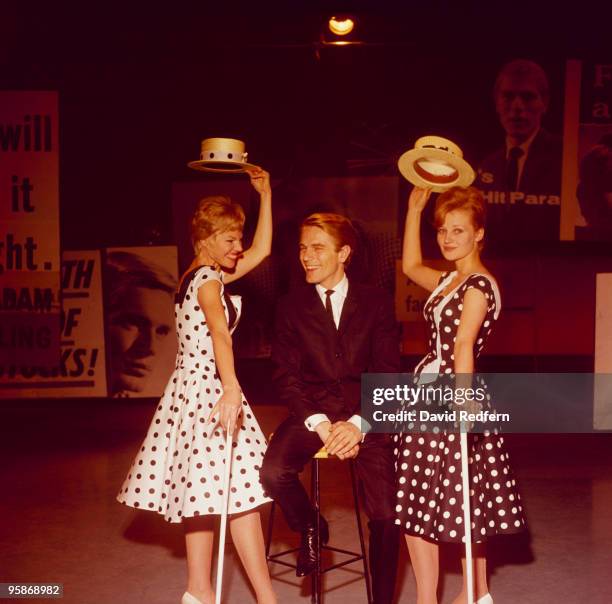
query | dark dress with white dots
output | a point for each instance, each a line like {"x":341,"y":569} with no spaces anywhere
{"x":179,"y":469}
{"x":428,"y":465}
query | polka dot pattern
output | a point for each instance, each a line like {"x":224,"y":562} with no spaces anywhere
{"x":434,"y":507}
{"x":178,"y":471}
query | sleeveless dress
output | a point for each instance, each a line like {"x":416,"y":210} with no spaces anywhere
{"x":178,"y":471}
{"x":429,"y":500}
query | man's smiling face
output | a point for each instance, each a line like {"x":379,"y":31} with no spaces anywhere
{"x":322,"y":261}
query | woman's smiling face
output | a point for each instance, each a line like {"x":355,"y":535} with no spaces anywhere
{"x":225,"y":247}
{"x":457,"y":236}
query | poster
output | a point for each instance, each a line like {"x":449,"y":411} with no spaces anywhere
{"x":29,"y":234}
{"x":587,"y":192}
{"x":141,"y":342}
{"x":81,"y":370}
{"x":521,"y":178}
{"x":410,"y":298}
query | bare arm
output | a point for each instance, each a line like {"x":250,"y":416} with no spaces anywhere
{"x":472,"y":316}
{"x":262,"y":240}
{"x":229,"y":405}
{"x":412,"y":259}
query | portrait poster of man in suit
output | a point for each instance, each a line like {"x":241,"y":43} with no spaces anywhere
{"x":521,"y":180}
{"x":139,"y":288}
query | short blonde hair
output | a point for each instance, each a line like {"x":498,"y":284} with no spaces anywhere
{"x":215,"y":214}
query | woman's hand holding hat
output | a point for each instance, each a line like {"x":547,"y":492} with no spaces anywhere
{"x":260,"y":179}
{"x":418,"y":198}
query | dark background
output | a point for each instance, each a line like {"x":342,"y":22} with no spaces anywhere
{"x":140,"y":85}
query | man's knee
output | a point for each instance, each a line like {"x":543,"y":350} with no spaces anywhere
{"x":273,"y":476}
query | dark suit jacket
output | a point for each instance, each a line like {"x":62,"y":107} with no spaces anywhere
{"x":541,"y":179}
{"x":319,"y":367}
{"x":541,"y":172}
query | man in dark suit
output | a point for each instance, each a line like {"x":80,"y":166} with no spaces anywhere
{"x":327,"y":334}
{"x":521,"y":181}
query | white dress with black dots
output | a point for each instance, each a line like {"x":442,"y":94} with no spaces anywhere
{"x":178,"y":471}
{"x":429,"y":499}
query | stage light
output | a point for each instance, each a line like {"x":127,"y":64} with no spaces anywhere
{"x":340,"y":30}
{"x":341,"y":26}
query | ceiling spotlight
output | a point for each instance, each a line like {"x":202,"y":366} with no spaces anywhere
{"x":340,"y":30}
{"x":341,"y":26}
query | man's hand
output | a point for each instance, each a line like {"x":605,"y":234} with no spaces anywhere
{"x":350,"y":455}
{"x":322,"y":429}
{"x":342,"y":438}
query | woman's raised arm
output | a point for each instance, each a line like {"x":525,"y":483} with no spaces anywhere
{"x":262,"y":240}
{"x":412,"y":259}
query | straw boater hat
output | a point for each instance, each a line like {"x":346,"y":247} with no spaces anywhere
{"x":436,"y":163}
{"x":225,"y":155}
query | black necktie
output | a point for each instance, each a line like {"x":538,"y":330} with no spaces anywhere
{"x":512,"y":170}
{"x":328,"y":306}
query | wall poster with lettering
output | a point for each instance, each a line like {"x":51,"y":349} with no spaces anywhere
{"x":81,"y":370}
{"x":141,"y":342}
{"x":587,"y":170}
{"x":29,"y":237}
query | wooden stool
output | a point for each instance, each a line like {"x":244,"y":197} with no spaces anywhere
{"x":315,"y":496}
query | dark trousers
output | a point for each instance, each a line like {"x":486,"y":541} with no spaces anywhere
{"x":292,"y":446}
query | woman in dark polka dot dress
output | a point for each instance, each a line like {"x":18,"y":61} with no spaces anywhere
{"x":179,"y":469}
{"x":460,"y":313}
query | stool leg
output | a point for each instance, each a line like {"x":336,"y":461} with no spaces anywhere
{"x":366,"y":570}
{"x":315,"y":497}
{"x":270,"y":528}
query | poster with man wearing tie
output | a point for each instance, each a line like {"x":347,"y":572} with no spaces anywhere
{"x":521,"y":180}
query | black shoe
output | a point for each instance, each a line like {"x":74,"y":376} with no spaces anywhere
{"x":307,"y":556}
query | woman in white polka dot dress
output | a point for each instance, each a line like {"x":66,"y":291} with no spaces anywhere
{"x":460,"y":313}
{"x":179,"y":469}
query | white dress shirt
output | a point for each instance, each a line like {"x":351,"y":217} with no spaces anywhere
{"x":337,"y":303}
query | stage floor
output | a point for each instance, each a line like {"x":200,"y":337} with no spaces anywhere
{"x":64,"y":462}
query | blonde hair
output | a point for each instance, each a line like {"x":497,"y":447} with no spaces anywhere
{"x":215,"y":214}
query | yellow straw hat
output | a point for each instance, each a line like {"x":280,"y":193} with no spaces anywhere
{"x":225,"y":155}
{"x":436,"y":163}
